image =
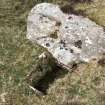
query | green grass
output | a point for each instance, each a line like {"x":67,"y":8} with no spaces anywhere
{"x":94,"y":10}
{"x":17,"y":55}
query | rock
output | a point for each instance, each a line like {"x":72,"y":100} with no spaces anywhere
{"x":84,"y":37}
{"x":69,"y":38}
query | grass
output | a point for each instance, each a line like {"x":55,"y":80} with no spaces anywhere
{"x":94,"y":10}
{"x":85,"y":86}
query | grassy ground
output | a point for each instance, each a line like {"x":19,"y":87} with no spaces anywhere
{"x":94,"y":10}
{"x":86,"y":86}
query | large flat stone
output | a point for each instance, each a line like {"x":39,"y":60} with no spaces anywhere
{"x":67,"y":37}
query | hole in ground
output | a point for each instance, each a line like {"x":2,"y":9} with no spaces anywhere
{"x":49,"y":78}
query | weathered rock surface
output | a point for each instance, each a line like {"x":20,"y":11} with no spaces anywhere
{"x":68,"y":37}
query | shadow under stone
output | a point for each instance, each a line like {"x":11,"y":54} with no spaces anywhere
{"x":69,"y":8}
{"x":45,"y":81}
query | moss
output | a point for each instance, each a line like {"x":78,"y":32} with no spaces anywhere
{"x":54,"y":35}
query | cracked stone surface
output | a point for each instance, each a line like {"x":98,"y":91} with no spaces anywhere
{"x":67,"y":37}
